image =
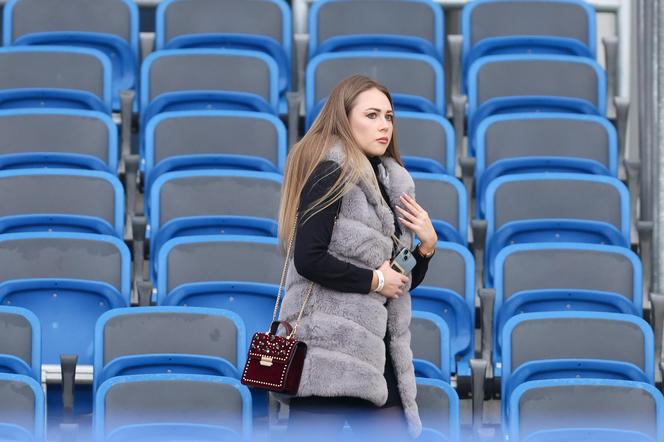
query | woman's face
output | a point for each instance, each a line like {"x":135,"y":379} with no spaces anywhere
{"x":371,"y":120}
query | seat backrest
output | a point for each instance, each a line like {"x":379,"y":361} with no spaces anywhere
{"x":438,"y":405}
{"x":538,"y":75}
{"x":578,"y":335}
{"x":209,"y":193}
{"x":427,"y":136}
{"x":559,"y":196}
{"x":585,"y":403}
{"x":218,"y":258}
{"x":216,"y":132}
{"x":556,"y":135}
{"x":269,"y":18}
{"x":430,"y":340}
{"x":444,"y":199}
{"x":169,"y":330}
{"x":568,"y":266}
{"x":21,"y":337}
{"x":65,"y":255}
{"x":199,"y":70}
{"x":56,"y":67}
{"x":407,"y":74}
{"x":452,"y":268}
{"x":164,"y":398}
{"x":64,"y":192}
{"x":22,"y":404}
{"x":115,"y":17}
{"x":60,"y":131}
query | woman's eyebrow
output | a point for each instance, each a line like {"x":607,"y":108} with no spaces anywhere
{"x":375,"y":109}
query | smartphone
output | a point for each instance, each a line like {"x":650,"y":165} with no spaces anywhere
{"x":403,"y":262}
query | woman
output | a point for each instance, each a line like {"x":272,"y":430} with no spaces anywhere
{"x":355,"y":209}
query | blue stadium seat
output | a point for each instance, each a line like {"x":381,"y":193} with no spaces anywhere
{"x":426,"y":142}
{"x":493,"y":27}
{"x":23,"y":410}
{"x":186,"y":340}
{"x":543,"y":142}
{"x":37,"y":138}
{"x":430,"y":343}
{"x":54,"y":77}
{"x":157,"y":407}
{"x":587,"y":435}
{"x":62,"y":200}
{"x":554,"y":207}
{"x":110,"y":27}
{"x":213,"y":140}
{"x":445,"y":199}
{"x":574,"y":345}
{"x":448,"y":290}
{"x":411,"y":26}
{"x":438,"y":405}
{"x":20,"y":345}
{"x":585,"y":405}
{"x":263,"y":26}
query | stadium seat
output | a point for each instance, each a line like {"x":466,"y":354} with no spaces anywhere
{"x":62,"y":200}
{"x":263,"y":26}
{"x":554,"y":207}
{"x":448,"y":291}
{"x":145,"y":340}
{"x":22,"y":409}
{"x":415,"y":81}
{"x":430,"y":343}
{"x":426,"y":142}
{"x":175,"y":407}
{"x":586,"y":404}
{"x":568,"y":345}
{"x":20,"y":344}
{"x":543,"y":142}
{"x":108,"y":26}
{"x":58,"y":138}
{"x":414,"y":26}
{"x":54,"y":77}
{"x":493,"y":27}
{"x":67,"y":280}
{"x":438,"y":405}
{"x":213,"y":140}
{"x":445,"y":199}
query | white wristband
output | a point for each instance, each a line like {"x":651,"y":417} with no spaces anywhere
{"x":381,"y":281}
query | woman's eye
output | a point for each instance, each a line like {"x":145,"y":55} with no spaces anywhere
{"x":371,"y":115}
{"x":389,"y":117}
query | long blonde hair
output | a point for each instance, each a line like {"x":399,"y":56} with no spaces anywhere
{"x":331,"y":126}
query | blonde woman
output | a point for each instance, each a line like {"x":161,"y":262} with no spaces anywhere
{"x":355,"y":208}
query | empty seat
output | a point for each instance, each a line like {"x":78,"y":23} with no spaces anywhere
{"x":430,"y":342}
{"x":543,"y":142}
{"x":448,"y":291}
{"x":191,"y":261}
{"x":564,"y":345}
{"x":58,"y":138}
{"x":526,"y":83}
{"x":20,"y":342}
{"x":109,"y":26}
{"x":195,"y":79}
{"x":55,"y":77}
{"x":560,"y":404}
{"x":426,"y":142}
{"x":263,"y":26}
{"x":555,"y":207}
{"x":144,"y":340}
{"x":438,"y":406}
{"x":213,"y":140}
{"x":61,"y":200}
{"x":491,"y":27}
{"x":172,"y":407}
{"x":415,"y":81}
{"x":400,"y":25}
{"x":446,"y":202}
{"x":67,"y":280}
{"x":22,"y":408}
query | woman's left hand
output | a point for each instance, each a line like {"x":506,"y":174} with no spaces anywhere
{"x":415,"y":218}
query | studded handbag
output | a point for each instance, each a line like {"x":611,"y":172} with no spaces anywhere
{"x":275,"y":362}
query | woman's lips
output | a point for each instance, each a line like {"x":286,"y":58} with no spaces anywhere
{"x":383,"y":140}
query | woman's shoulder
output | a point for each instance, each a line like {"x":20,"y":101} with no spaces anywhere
{"x":322,"y":178}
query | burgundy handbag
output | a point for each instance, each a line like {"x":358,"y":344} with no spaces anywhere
{"x":275,"y":362}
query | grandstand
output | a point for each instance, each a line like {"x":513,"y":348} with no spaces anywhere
{"x":141,"y":161}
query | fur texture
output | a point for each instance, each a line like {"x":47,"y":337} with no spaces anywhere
{"x":344,"y":332}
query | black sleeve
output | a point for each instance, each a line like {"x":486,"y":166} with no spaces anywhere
{"x":311,"y":257}
{"x":420,"y":269}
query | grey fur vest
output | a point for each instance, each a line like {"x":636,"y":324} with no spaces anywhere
{"x":344,"y":332}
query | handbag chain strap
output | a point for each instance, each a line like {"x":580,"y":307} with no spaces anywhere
{"x":284,"y":272}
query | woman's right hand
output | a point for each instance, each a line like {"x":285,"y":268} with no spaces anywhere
{"x":395,"y":282}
